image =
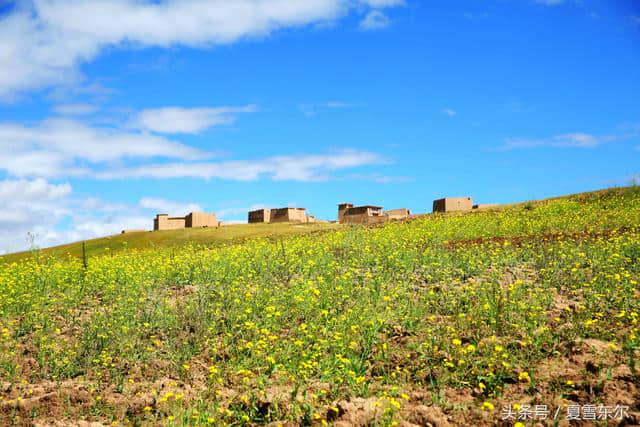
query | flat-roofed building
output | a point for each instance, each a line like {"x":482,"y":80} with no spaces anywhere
{"x":342,"y":208}
{"x":280,"y":215}
{"x":259,"y":215}
{"x":192,"y":220}
{"x":398,"y":213}
{"x":288,"y":215}
{"x":366,"y":214}
{"x":200,"y":219}
{"x":453,"y":204}
{"x":165,"y":222}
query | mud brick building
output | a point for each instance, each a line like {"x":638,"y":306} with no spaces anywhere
{"x":192,"y":220}
{"x":280,"y":215}
{"x":453,"y":204}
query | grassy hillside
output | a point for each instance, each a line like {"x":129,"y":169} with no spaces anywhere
{"x":443,"y":320}
{"x":147,"y":240}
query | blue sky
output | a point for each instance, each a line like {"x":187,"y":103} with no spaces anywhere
{"x":114,"y":110}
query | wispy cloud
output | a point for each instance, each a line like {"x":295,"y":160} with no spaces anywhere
{"x":518,"y":106}
{"x":380,"y":179}
{"x":95,"y":91}
{"x":31,"y":191}
{"x":374,"y":20}
{"x":549,"y":2}
{"x":27,"y":204}
{"x":65,"y":147}
{"x":449,"y":112}
{"x":309,"y":167}
{"x":188,"y":120}
{"x":577,"y":140}
{"x":169,"y":206}
{"x":52,"y":215}
{"x":573,"y":140}
{"x":43,"y":43}
{"x":383,"y":3}
{"x":75,"y":109}
{"x":636,"y":19}
{"x":472,"y":16}
{"x":313,"y":109}
{"x":36,"y":207}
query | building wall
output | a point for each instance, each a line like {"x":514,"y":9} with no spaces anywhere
{"x":364,"y":215}
{"x":360,"y":218}
{"x":298,"y":215}
{"x":164,"y":222}
{"x":348,"y":214}
{"x":358,"y":210}
{"x":260,"y":215}
{"x":200,"y":219}
{"x":485,"y":206}
{"x":342,"y":208}
{"x":452,"y":204}
{"x":288,"y":215}
{"x":279,"y":215}
{"x":379,"y":219}
{"x":398,"y":213}
{"x":364,"y":218}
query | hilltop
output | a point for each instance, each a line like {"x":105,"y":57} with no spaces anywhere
{"x":235,"y":233}
{"x":223,"y":235}
{"x":445,"y":319}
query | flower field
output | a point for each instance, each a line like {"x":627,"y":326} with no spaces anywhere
{"x":443,"y":320}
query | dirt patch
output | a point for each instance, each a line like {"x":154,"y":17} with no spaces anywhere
{"x":357,"y":412}
{"x":46,"y":397}
{"x":423,"y":415}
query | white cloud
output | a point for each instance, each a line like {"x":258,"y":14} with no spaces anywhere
{"x":576,"y":140}
{"x":624,"y":131}
{"x":30,"y":191}
{"x":238,"y":215}
{"x":168,"y":206}
{"x":95,"y":204}
{"x":374,"y":20}
{"x":75,"y":109}
{"x":95,"y":91}
{"x":29,"y":205}
{"x":518,"y":106}
{"x":48,"y":212}
{"x":383,"y":3}
{"x":471,"y":16}
{"x":98,"y":227}
{"x":449,"y":112}
{"x":549,"y":2}
{"x":223,"y":214}
{"x":380,"y":179}
{"x":313,"y":109}
{"x":42,"y":42}
{"x":63,"y":147}
{"x":280,"y":168}
{"x":188,"y":120}
{"x":339,"y":104}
